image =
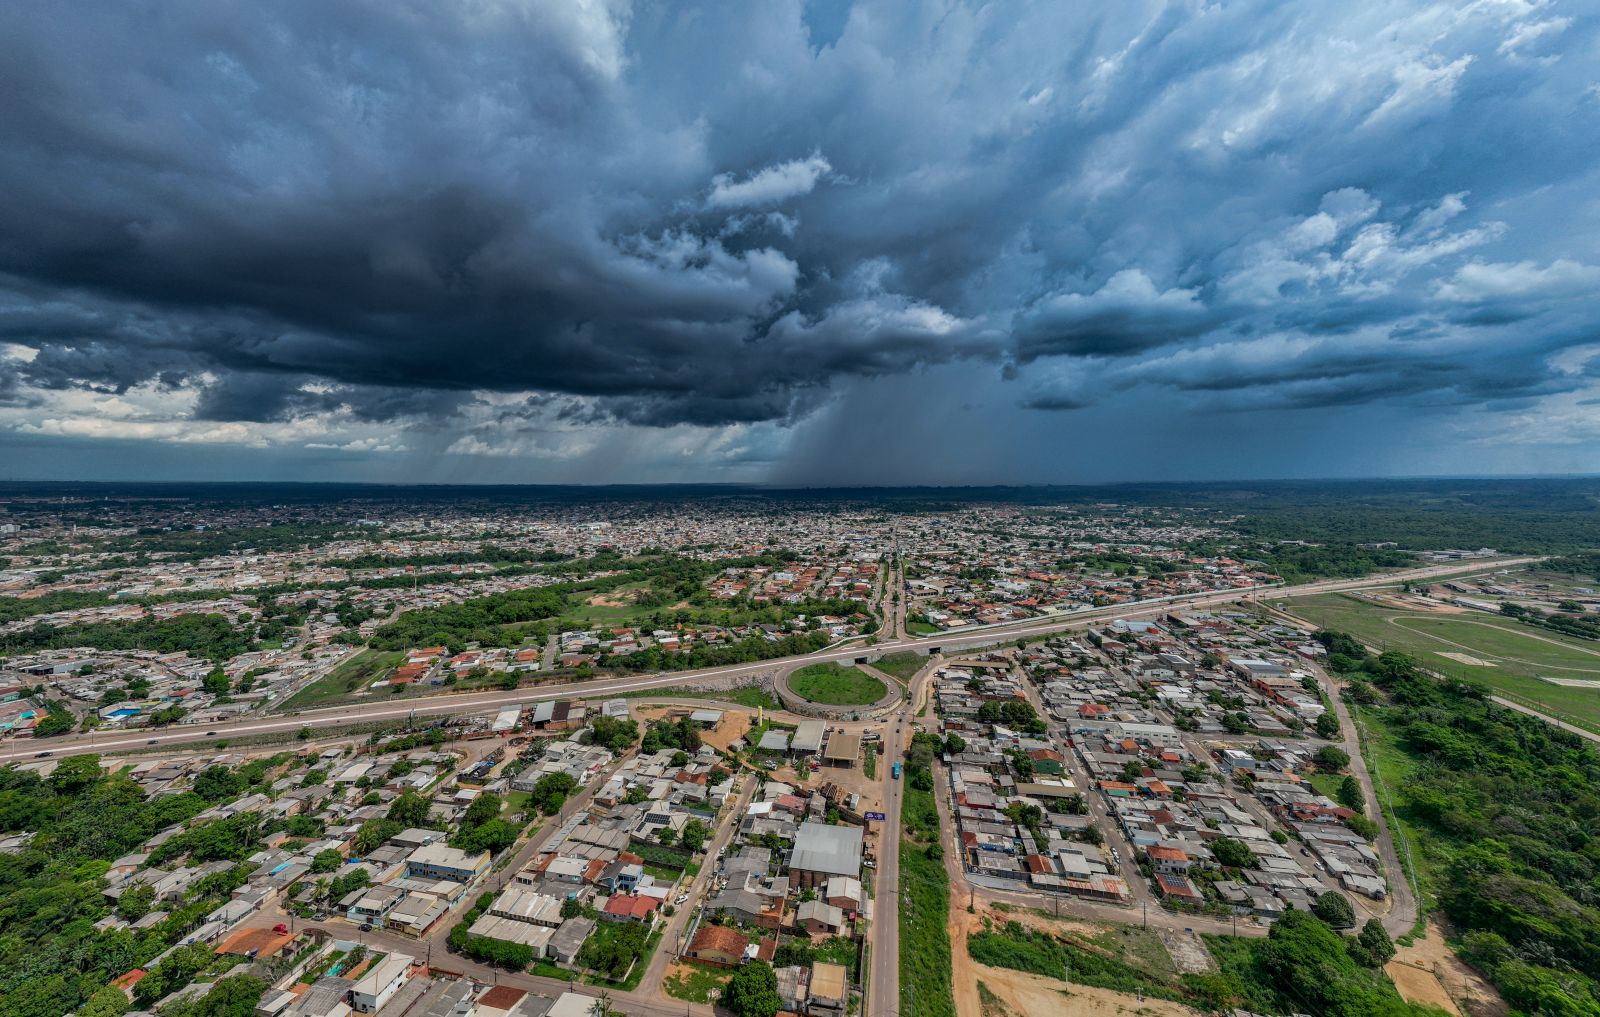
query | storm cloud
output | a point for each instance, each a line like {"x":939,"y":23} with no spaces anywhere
{"x":546,"y":230}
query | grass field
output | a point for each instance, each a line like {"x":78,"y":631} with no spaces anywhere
{"x":901,"y":665}
{"x":837,"y":685}
{"x":1516,"y":655}
{"x":350,"y":676}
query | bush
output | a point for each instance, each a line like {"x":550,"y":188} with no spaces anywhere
{"x":1332,"y":758}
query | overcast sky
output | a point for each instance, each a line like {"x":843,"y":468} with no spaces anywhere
{"x":548,"y":241}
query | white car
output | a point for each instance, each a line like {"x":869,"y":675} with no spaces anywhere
{"x":681,"y":898}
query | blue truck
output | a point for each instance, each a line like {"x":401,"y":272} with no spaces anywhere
{"x":897,"y":769}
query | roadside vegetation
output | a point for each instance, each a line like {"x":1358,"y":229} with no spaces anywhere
{"x":925,"y":987}
{"x":901,"y":665}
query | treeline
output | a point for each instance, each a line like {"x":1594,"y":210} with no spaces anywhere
{"x":1443,"y":522}
{"x":192,"y":545}
{"x":1584,"y":564}
{"x":1508,"y":805}
{"x":743,"y":651}
{"x":477,"y":620}
{"x":486,"y":554}
{"x":1296,"y":563}
{"x":208,"y":636}
{"x":1581,"y":626}
{"x":17,"y":608}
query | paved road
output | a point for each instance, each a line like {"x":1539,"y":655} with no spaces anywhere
{"x":483,"y":702}
{"x":678,"y":924}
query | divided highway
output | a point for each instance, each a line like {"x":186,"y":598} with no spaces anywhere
{"x":468,"y":703}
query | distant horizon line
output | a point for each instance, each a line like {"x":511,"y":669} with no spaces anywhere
{"x":761,"y":486}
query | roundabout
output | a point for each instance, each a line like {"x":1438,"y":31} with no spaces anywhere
{"x":835,"y":690}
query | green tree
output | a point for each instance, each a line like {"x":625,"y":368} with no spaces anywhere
{"x":218,"y":783}
{"x":550,"y":792}
{"x":108,"y":1002}
{"x":326,"y":861}
{"x":1372,"y":946}
{"x":410,"y":810}
{"x":1327,"y":726}
{"x":215,"y":682}
{"x":483,"y":808}
{"x":135,"y":901}
{"x":615,"y":734}
{"x":1331,"y":758}
{"x":1234,"y":853}
{"x":694,"y":834}
{"x":75,"y":774}
{"x":340,"y":886}
{"x":753,"y":991}
{"x":1334,"y":908}
{"x":1351,"y":796}
{"x":373,"y":833}
{"x":56,"y":722}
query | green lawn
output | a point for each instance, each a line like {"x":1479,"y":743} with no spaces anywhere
{"x":1518,"y":654}
{"x":350,"y":676}
{"x":837,"y":685}
{"x":920,"y":628}
{"x":1327,"y":784}
{"x":901,"y":665}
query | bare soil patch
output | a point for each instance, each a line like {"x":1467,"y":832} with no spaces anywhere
{"x":1429,"y":972}
{"x":1468,"y":659}
{"x":1036,"y":994}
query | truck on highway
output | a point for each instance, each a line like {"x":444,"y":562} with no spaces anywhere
{"x":897,"y":769}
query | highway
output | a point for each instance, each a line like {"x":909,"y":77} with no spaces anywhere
{"x":454,"y":704}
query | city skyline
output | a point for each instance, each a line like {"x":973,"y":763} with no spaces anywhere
{"x":803,"y":244}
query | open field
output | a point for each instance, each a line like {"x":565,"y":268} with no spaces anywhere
{"x":1518,"y":658}
{"x":837,"y":685}
{"x":350,"y":676}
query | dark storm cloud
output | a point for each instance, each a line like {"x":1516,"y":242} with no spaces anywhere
{"x":724,"y":214}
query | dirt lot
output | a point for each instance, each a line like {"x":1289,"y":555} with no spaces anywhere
{"x":729,"y":729}
{"x":1035,"y":994}
{"x":1429,"y":972}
